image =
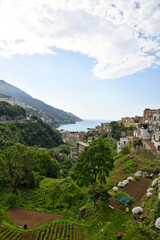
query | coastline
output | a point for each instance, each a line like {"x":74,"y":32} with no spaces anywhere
{"x":82,"y":125}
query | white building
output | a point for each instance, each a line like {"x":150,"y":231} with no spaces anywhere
{"x":122,"y":143}
{"x":154,"y":122}
{"x":143,"y":132}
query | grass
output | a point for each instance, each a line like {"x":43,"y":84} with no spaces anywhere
{"x":141,"y":160}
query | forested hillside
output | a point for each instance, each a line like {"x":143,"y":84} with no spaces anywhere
{"x":32,"y":133}
{"x":9,"y":112}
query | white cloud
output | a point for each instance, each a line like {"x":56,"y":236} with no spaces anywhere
{"x":122,"y":36}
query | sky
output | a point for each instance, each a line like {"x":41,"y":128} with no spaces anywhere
{"x":95,"y":58}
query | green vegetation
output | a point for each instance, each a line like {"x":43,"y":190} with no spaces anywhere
{"x":96,"y":161}
{"x":98,"y":192}
{"x":34,"y":133}
{"x":57,"y":231}
{"x":11,"y":112}
{"x":120,"y":193}
{"x":118,"y":131}
{"x":21,"y":166}
{"x":115,"y":130}
{"x":36,"y":173}
{"x":130,"y":166}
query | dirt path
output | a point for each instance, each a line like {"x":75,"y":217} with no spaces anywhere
{"x":33,"y":219}
{"x":137,"y":189}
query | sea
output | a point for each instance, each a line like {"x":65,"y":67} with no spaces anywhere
{"x":82,"y":126}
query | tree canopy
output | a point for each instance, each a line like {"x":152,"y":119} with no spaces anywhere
{"x":11,"y":111}
{"x":22,"y":166}
{"x":115,"y":130}
{"x":33,"y":133}
{"x":95,"y":162}
{"x":17,"y":165}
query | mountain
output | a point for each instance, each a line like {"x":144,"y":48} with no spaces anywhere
{"x":35,"y":107}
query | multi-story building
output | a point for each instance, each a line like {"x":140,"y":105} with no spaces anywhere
{"x":147,"y":113}
{"x":143,"y":132}
{"x":148,"y":131}
{"x":154,"y":122}
{"x":106,"y":127}
{"x":75,"y":151}
{"x":131,"y":121}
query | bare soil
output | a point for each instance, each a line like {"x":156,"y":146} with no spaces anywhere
{"x":116,"y":204}
{"x":137,"y":189}
{"x":32,"y":218}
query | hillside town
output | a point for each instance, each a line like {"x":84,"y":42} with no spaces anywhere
{"x":142,"y":129}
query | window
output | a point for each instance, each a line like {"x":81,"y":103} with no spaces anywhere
{"x":159,"y":128}
{"x":154,"y":118}
{"x":159,"y":118}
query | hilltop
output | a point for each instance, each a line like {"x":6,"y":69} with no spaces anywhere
{"x":35,"y":107}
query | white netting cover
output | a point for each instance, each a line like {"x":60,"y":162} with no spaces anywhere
{"x":149,"y":194}
{"x":130,"y":179}
{"x":138,"y":174}
{"x":115,"y":189}
{"x":125,"y":182}
{"x":157,"y":223}
{"x":150,"y":190}
{"x":154,"y":182}
{"x":136,"y":210}
{"x":121,"y":184}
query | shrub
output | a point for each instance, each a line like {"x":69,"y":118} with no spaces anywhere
{"x":1,"y":216}
{"x":98,"y":192}
{"x":126,"y":150}
{"x":130,"y":166}
{"x":120,"y":193}
{"x":11,"y":200}
{"x":125,"y":159}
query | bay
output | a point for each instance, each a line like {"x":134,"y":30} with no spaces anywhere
{"x":82,"y":126}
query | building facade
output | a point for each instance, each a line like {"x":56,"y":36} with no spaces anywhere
{"x":75,"y":151}
{"x":154,"y":122}
{"x":147,"y":113}
{"x":131,"y":121}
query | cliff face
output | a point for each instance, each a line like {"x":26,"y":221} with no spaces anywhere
{"x":37,"y":108}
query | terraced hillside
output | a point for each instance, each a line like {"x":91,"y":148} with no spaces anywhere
{"x":58,"y":231}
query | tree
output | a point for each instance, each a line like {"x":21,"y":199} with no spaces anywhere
{"x":93,"y":163}
{"x":115,"y":130}
{"x":52,"y":189}
{"x":70,"y":191}
{"x":98,"y":192}
{"x":64,"y":162}
{"x":16,"y":165}
{"x":55,"y":193}
{"x":48,"y":167}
